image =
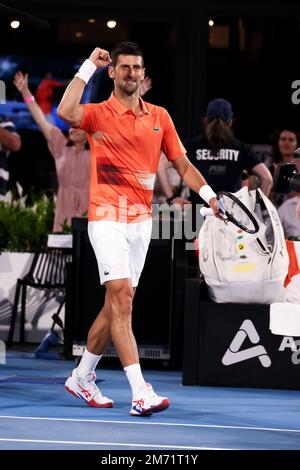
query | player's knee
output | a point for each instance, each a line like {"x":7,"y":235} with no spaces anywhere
{"x":121,"y":297}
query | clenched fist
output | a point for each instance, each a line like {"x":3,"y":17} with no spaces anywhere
{"x":100,"y":57}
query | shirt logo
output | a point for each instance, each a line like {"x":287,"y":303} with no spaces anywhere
{"x":106,"y":273}
{"x":156,"y":129}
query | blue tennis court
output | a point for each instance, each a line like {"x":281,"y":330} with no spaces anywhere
{"x":38,"y":414}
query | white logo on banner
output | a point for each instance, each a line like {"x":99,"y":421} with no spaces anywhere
{"x":234,"y":354}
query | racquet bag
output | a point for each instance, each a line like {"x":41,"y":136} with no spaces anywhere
{"x":240,"y":267}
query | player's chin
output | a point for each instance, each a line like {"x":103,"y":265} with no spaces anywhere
{"x":130,"y":89}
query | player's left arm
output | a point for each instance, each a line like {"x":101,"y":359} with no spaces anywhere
{"x":189,"y":173}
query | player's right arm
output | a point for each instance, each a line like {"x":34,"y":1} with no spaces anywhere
{"x":70,"y":108}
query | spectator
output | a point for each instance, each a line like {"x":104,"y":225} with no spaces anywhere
{"x":10,"y":141}
{"x":72,"y":160}
{"x":44,"y":95}
{"x":286,"y":144}
{"x":289,"y":213}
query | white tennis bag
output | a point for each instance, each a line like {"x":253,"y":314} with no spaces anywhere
{"x":240,"y":267}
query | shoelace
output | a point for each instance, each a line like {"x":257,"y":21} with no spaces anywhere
{"x":139,"y":403}
{"x":89,"y":382}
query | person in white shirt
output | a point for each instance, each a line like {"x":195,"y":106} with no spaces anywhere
{"x":289,"y":213}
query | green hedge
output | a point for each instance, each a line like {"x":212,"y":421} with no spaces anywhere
{"x":25,"y":228}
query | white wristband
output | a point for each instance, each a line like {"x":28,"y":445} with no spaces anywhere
{"x":86,"y":70}
{"x":206,"y":193}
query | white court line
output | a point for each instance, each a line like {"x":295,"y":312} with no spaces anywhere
{"x":123,"y":444}
{"x":147,"y":423}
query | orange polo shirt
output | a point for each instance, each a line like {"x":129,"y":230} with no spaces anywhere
{"x":125,"y":152}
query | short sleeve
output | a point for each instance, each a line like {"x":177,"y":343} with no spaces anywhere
{"x":251,"y":158}
{"x":90,"y":119}
{"x":56,"y":142}
{"x":171,"y":146}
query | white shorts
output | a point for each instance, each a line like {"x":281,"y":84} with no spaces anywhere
{"x":120,"y":248}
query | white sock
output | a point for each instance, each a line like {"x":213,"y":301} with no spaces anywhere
{"x":135,"y":378}
{"x":88,"y":363}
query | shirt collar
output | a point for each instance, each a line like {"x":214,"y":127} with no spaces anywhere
{"x":121,"y":109}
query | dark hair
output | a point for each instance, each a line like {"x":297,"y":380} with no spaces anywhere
{"x":125,"y":48}
{"x":217,"y":134}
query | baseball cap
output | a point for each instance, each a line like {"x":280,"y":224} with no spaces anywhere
{"x":219,"y":108}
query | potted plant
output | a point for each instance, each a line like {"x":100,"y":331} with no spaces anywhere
{"x":24,"y":227}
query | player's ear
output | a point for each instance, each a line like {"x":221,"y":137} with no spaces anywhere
{"x":111,"y":71}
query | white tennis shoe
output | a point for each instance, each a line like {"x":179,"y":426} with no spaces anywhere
{"x":148,"y":402}
{"x":86,"y":388}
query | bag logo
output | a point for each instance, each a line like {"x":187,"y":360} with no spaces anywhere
{"x":234,"y":355}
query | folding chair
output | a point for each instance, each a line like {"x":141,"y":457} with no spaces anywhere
{"x":48,"y":273}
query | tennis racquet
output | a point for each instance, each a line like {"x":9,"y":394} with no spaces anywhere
{"x":234,"y":211}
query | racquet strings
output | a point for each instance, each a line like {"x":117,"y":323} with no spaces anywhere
{"x":236,"y":214}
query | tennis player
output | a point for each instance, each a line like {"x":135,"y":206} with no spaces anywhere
{"x":126,"y":136}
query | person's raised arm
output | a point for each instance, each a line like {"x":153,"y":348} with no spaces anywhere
{"x":70,"y":108}
{"x":21,"y":83}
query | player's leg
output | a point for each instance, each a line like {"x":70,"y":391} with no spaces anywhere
{"x":99,"y":336}
{"x":144,"y":400}
{"x":82,"y":382}
{"x":109,"y":244}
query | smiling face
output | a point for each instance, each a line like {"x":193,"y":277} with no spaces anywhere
{"x":287,"y":143}
{"x":128,"y":73}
